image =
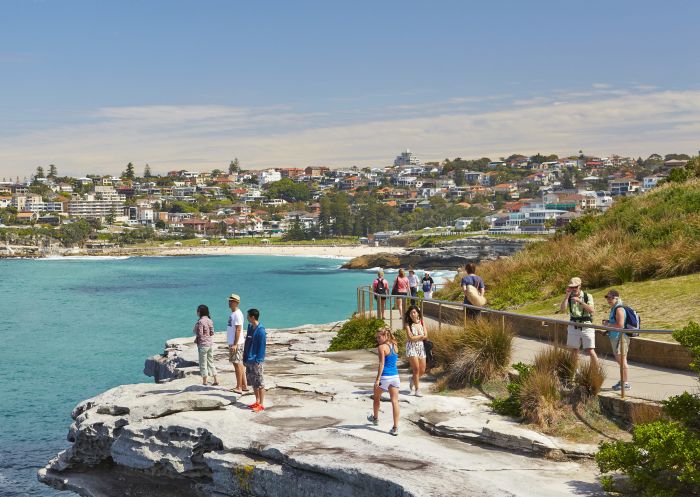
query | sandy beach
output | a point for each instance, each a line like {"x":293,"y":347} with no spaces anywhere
{"x":340,"y":251}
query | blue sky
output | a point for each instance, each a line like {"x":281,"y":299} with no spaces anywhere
{"x":90,"y":86}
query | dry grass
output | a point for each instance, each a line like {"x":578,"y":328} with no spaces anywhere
{"x":588,"y":380}
{"x":585,"y":423}
{"x":475,"y":353}
{"x":540,"y":398}
{"x":559,"y":362}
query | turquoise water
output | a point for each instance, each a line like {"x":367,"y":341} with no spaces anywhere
{"x":71,"y":329}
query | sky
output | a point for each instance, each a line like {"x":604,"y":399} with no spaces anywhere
{"x":90,"y":86}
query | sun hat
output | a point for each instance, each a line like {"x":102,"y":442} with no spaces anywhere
{"x":575,"y":281}
{"x":235,"y":297}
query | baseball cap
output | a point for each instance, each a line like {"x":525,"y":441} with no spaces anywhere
{"x":575,"y":281}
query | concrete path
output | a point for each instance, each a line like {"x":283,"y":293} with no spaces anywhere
{"x":648,"y":382}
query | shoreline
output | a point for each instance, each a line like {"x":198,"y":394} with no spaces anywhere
{"x":323,"y":251}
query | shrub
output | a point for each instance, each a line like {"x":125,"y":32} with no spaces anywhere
{"x":559,"y":362}
{"x":485,"y":353}
{"x":510,"y":406}
{"x":663,"y":457}
{"x":539,"y":398}
{"x":356,"y":333}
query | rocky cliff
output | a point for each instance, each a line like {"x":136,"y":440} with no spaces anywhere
{"x":180,"y":438}
{"x":446,"y":255}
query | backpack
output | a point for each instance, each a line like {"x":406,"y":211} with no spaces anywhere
{"x":632,"y":321}
{"x":381,"y":288}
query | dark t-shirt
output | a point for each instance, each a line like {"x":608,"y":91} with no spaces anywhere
{"x":427,"y":283}
{"x":474,"y":280}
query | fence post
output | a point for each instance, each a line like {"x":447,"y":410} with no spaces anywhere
{"x":391,"y":311}
{"x":439,"y":316}
{"x":358,"y":300}
{"x":371,"y":301}
{"x":621,"y":350}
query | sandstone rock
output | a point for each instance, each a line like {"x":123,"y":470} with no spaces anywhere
{"x":182,"y":438}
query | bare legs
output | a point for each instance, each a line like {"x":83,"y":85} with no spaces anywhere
{"x":417,"y":369}
{"x":394,"y":396}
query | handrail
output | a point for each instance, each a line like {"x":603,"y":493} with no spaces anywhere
{"x":362,"y":291}
{"x":542,"y":319}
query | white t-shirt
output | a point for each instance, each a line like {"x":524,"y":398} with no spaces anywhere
{"x":235,"y":319}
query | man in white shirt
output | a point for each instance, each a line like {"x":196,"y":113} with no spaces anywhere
{"x":236,"y":340}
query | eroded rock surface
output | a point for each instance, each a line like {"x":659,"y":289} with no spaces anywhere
{"x":178,"y":438}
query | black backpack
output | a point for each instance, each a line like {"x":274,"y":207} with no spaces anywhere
{"x":381,"y":289}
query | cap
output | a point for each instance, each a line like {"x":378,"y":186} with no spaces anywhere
{"x":235,"y":297}
{"x":575,"y":281}
{"x":612,"y":293}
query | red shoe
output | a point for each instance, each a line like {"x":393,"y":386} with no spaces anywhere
{"x":253,"y":405}
{"x":258,"y":408}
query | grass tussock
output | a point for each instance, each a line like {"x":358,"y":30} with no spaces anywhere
{"x":475,"y":353}
{"x":656,"y":235}
{"x":559,"y":362}
{"x":588,"y":380}
{"x":540,"y":398}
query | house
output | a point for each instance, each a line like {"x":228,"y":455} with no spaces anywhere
{"x":510,"y":190}
{"x":463,"y":223}
{"x":27,"y":217}
{"x":624,"y":186}
{"x":649,"y":182}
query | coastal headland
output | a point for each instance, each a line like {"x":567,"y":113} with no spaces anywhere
{"x":179,"y":438}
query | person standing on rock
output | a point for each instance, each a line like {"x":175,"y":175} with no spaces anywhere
{"x":413,"y":285}
{"x":254,"y":358}
{"x":415,"y":349}
{"x":204,"y":338}
{"x":387,"y":377}
{"x":380,"y":286}
{"x":477,"y":298}
{"x":581,"y":308}
{"x":428,"y":284}
{"x":236,"y":339}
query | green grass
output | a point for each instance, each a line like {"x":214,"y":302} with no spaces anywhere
{"x":666,"y":304}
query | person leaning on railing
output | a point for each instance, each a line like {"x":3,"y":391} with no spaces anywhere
{"x":581,"y":308}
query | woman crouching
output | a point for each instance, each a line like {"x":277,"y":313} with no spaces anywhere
{"x":387,"y":377}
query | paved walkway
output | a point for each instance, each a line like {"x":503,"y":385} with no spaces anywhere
{"x":648,"y":382}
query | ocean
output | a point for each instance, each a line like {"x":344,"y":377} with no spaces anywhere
{"x":74,"y":327}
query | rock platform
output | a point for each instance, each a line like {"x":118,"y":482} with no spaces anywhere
{"x":179,"y":438}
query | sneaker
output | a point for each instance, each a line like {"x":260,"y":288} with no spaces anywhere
{"x":419,"y":393}
{"x":394,"y":431}
{"x":373,"y":420}
{"x":628,"y":386}
{"x":258,"y":408}
{"x":617,"y":386}
{"x":253,"y":405}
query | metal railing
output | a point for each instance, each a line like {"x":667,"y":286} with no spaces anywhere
{"x":366,"y":297}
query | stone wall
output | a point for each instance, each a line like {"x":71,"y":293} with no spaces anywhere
{"x":642,"y":350}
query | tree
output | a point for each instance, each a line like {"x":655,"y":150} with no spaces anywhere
{"x":147,"y":171}
{"x":216,"y":173}
{"x":459,"y":177}
{"x":160,"y":224}
{"x":112,"y":216}
{"x":288,"y":190}
{"x":234,"y":166}
{"x":40,"y":172}
{"x":74,"y":233}
{"x":53,"y":172}
{"x":296,"y":231}
{"x":129,"y":173}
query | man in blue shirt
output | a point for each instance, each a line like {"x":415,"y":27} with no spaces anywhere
{"x":254,"y":358}
{"x":471,"y":279}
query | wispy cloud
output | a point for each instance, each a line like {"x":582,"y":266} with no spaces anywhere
{"x":626,"y":122}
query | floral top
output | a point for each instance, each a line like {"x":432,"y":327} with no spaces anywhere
{"x":204,"y":329}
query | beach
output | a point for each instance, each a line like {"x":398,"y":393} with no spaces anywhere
{"x":339,"y":251}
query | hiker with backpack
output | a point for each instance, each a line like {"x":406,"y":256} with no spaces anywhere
{"x":624,"y":317}
{"x":380,"y":286}
{"x":581,"y":308}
